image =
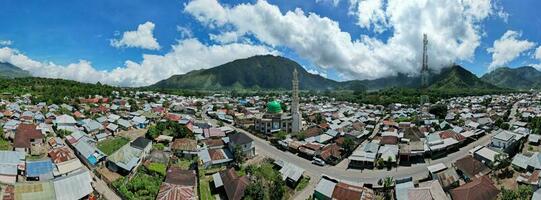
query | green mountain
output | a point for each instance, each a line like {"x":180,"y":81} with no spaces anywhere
{"x":257,"y":72}
{"x":398,"y":81}
{"x":458,"y":78}
{"x":7,"y":70}
{"x":518,"y":78}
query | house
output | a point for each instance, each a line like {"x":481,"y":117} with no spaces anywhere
{"x":290,"y":172}
{"x":328,"y":188}
{"x":86,"y":150}
{"x":470,"y":168}
{"x":28,"y":138}
{"x":92,"y":126}
{"x":124,"y":160}
{"x":244,"y":142}
{"x":232,"y":184}
{"x":9,"y":162}
{"x":447,"y":177}
{"x":64,"y":121}
{"x":506,"y":141}
{"x":74,"y":186}
{"x":213,"y":133}
{"x":331,"y":153}
{"x":184,"y":147}
{"x":139,"y":121}
{"x":479,"y":189}
{"x":485,"y":155}
{"x":40,"y":170}
{"x":365,"y":156}
{"x":178,"y":184}
{"x":427,"y":190}
{"x":143,"y":144}
{"x":64,"y":160}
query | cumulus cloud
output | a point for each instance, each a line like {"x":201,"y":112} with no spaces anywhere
{"x":537,"y":54}
{"x":187,"y":55}
{"x":369,"y":13}
{"x":143,"y":38}
{"x":6,"y":42}
{"x":507,"y":48}
{"x":453,"y":28}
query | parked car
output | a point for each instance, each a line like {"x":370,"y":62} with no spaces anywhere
{"x":318,"y":161}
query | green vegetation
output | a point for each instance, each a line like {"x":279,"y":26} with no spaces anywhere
{"x":184,"y":164}
{"x":158,"y":168}
{"x":524,"y":192}
{"x":238,"y":155}
{"x":169,"y":128}
{"x":109,"y":146}
{"x":4,"y":144}
{"x":53,"y":90}
{"x":439,"y":110}
{"x":267,"y":184}
{"x":519,"y":78}
{"x":303,"y":183}
{"x":158,"y":146}
{"x":204,"y":186}
{"x":145,"y":185}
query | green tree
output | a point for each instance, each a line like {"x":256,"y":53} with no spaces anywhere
{"x":281,"y":135}
{"x":254,"y":191}
{"x":505,"y":126}
{"x":524,"y":192}
{"x":508,"y":194}
{"x":239,"y":155}
{"x":348,"y":145}
{"x":152,"y":132}
{"x":439,"y":110}
{"x":277,"y":189}
{"x":501,"y":162}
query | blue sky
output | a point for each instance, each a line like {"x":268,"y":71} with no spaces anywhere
{"x":87,"y":40}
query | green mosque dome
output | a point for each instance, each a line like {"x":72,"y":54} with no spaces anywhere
{"x":274,"y":107}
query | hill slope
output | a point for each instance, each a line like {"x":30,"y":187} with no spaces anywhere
{"x":7,"y":70}
{"x":458,"y":78}
{"x":518,"y":78}
{"x":257,"y":72}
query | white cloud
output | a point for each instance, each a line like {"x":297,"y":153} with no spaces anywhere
{"x":453,"y":28}
{"x":507,"y":48}
{"x":369,"y":13}
{"x":187,"y":55}
{"x":140,"y":38}
{"x":6,"y":42}
{"x":312,"y":71}
{"x":185,"y":32}
{"x":537,"y":54}
{"x":334,"y":2}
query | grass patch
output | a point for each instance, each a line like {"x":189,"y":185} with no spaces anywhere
{"x":159,"y":168}
{"x":184,"y":164}
{"x":204,"y":188}
{"x":5,"y":145}
{"x":109,"y":146}
{"x":303,"y":183}
{"x":143,"y":185}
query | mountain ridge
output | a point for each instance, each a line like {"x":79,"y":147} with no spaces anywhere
{"x":8,"y":70}
{"x":525,"y":77}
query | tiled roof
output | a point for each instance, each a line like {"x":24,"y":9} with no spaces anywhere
{"x":479,"y":189}
{"x":23,"y":135}
{"x":234,"y":186}
{"x":470,"y":166}
{"x":184,"y":144}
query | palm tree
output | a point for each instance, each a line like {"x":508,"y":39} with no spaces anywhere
{"x":388,"y":184}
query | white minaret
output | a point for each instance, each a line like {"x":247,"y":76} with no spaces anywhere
{"x":296,"y":126}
